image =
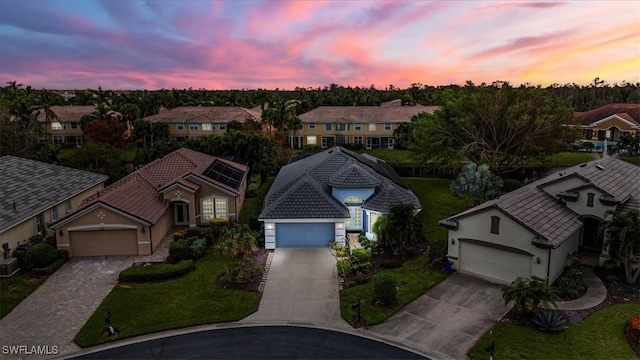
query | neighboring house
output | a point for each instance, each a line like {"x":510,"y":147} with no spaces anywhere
{"x":317,"y":198}
{"x":35,"y":194}
{"x":609,"y":123}
{"x":530,"y":231}
{"x":66,"y":129}
{"x":132,"y":215}
{"x":371,"y":126}
{"x":196,"y":121}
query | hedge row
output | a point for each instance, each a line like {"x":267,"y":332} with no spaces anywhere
{"x":49,"y":269}
{"x":156,"y":272}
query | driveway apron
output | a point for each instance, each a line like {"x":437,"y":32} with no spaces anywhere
{"x":449,"y":318}
{"x":53,"y":314}
{"x":301,"y":288}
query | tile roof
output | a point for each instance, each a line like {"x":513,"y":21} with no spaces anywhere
{"x":71,"y":113}
{"x":302,"y":188}
{"x":200,"y":114}
{"x":365,"y":114}
{"x":36,"y":186}
{"x":545,"y":215}
{"x":630,"y":112}
{"x":139,"y":193}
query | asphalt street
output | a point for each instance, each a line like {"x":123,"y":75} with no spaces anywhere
{"x":261,"y":342}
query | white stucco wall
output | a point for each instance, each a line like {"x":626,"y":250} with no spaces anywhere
{"x":567,"y":183}
{"x":559,"y":256}
{"x":580,"y":206}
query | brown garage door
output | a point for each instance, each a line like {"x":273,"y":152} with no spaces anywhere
{"x":104,"y":242}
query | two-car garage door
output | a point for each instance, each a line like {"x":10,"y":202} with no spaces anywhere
{"x":104,"y":242}
{"x":492,"y":262}
{"x":304,"y":234}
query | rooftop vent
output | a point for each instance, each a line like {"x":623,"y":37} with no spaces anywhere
{"x":599,"y":166}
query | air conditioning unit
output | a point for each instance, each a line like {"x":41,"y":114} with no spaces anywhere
{"x":8,"y":267}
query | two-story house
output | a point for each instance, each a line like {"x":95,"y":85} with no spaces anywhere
{"x":530,"y":231}
{"x":195,"y":121}
{"x":66,"y":128}
{"x":318,"y":198}
{"x":609,"y":123}
{"x":371,"y":126}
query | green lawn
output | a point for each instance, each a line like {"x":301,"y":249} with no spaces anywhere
{"x":437,"y":204}
{"x":253,"y":205}
{"x":414,"y":277}
{"x":635,"y":160}
{"x":571,"y":158}
{"x":601,"y":336}
{"x":15,"y":289}
{"x":194,"y":299}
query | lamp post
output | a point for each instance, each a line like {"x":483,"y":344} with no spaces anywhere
{"x":357,"y":306}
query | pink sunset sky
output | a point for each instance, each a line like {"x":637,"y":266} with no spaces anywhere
{"x":120,"y":44}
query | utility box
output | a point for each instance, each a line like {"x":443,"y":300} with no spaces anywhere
{"x":8,"y":267}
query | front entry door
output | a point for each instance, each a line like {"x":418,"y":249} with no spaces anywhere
{"x":181,"y":213}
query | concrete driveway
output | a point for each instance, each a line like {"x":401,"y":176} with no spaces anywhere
{"x":55,"y":311}
{"x":449,"y":318}
{"x":302,"y":287}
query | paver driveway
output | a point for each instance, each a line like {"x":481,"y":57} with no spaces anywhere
{"x":55,"y":312}
{"x":449,"y":318}
{"x":302,"y":287}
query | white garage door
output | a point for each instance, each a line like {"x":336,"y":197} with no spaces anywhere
{"x":104,"y":242}
{"x":492,"y":262}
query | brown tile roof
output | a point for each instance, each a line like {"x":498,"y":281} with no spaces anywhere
{"x":546,"y":216}
{"x":365,"y":114}
{"x":71,"y":113}
{"x":139,"y":193}
{"x":630,"y":112}
{"x":216,"y":114}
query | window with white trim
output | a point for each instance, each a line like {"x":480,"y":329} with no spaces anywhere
{"x":56,"y":125}
{"x":387,"y":126}
{"x":222,"y":126}
{"x":58,"y":139}
{"x":357,"y":126}
{"x":372,"y":127}
{"x":327,"y":127}
{"x":214,"y":207}
{"x":74,"y":126}
{"x":193,"y":126}
{"x":221,"y":208}
{"x":206,"y":127}
{"x":312,"y":126}
{"x":180,"y":126}
{"x":53,"y":214}
{"x":68,"y":206}
{"x":357,"y":139}
{"x":312,"y":140}
{"x":343,"y":127}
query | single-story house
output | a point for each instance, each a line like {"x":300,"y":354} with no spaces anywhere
{"x":609,"y":122}
{"x":318,"y":197}
{"x":35,"y":194}
{"x":131,"y":216}
{"x":530,"y":231}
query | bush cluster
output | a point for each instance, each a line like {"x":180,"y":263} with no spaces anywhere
{"x":571,"y":284}
{"x":40,"y":255}
{"x":191,"y":248}
{"x":254,"y":184}
{"x":48,"y":270}
{"x":390,"y":264}
{"x":156,"y":272}
{"x":360,"y":261}
{"x":385,"y":290}
{"x":242,"y":272}
{"x":344,"y":267}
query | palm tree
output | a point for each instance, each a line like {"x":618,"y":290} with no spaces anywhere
{"x":623,"y":231}
{"x":294,"y":125}
{"x":477,"y":181}
{"x":398,"y":229}
{"x":46,"y":102}
{"x":528,"y":294}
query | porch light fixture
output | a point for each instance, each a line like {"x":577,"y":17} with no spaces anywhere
{"x":453,"y":241}
{"x":538,"y":260}
{"x":340,"y":226}
{"x":269,"y":226}
{"x":143,"y":230}
{"x":60,"y":232}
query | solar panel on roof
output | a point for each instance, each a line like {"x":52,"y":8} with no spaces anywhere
{"x":224,"y":174}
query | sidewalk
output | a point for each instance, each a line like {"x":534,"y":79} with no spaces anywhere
{"x":596,"y":293}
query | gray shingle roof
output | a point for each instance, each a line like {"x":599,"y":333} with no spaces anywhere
{"x":302,"y":188}
{"x":545,"y":215}
{"x":36,"y":186}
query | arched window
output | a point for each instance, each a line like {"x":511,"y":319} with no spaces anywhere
{"x":214,"y":207}
{"x":353,"y":201}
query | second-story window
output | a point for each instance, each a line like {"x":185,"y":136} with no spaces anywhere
{"x":222,"y":126}
{"x":56,"y":125}
{"x":357,"y":126}
{"x":387,"y":126}
{"x":180,"y":126}
{"x":343,"y":127}
{"x":193,"y":126}
{"x":74,"y":125}
{"x":312,"y":126}
{"x":327,"y":127}
{"x":372,"y":127}
{"x":206,"y":127}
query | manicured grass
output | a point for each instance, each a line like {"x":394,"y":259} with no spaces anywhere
{"x":601,"y":336}
{"x":635,"y":160}
{"x":571,"y":158}
{"x":390,"y":155}
{"x":414,"y":278}
{"x":253,"y":205}
{"x":15,"y":289}
{"x":437,"y":204}
{"x":194,"y":299}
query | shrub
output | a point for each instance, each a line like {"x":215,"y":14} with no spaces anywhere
{"x":156,"y":272}
{"x":197,"y":248}
{"x":384,"y":290}
{"x":390,"y":264}
{"x":255,"y":179}
{"x":178,"y":251}
{"x":571,"y":284}
{"x":49,"y":269}
{"x":344,"y":267}
{"x":62,"y":254}
{"x":178,"y":235}
{"x":51,"y":241}
{"x":341,"y":250}
{"x":511,"y":184}
{"x":529,"y":293}
{"x":39,"y":256}
{"x":36,"y":239}
{"x":361,"y":255}
{"x":197,"y":232}
{"x":546,"y":320}
{"x":634,"y":328}
{"x":252,"y":190}
{"x":241,"y":273}
{"x":361,"y":278}
{"x":360,"y":268}
{"x":438,"y":249}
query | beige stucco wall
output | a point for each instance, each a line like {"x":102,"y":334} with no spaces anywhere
{"x":18,"y":234}
{"x":478,"y":227}
{"x":320,"y":130}
{"x":95,"y":218}
{"x":622,"y":125}
{"x":158,"y":231}
{"x":233,"y":209}
{"x":580,"y":206}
